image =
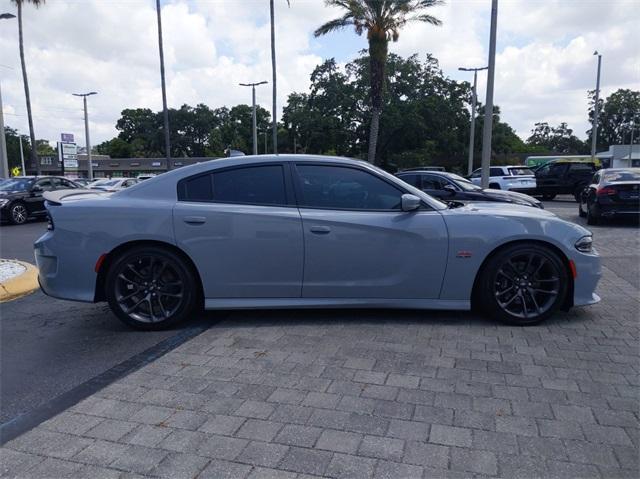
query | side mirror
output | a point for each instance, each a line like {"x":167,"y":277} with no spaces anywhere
{"x":410,"y":202}
{"x":450,"y":189}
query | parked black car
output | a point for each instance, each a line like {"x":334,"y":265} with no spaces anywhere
{"x":611,"y":192}
{"x":451,"y":187}
{"x":560,"y":177}
{"x":21,"y":196}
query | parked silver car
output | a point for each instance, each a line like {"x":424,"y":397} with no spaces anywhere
{"x":294,"y":231}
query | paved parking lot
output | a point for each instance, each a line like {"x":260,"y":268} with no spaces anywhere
{"x":364,"y":393}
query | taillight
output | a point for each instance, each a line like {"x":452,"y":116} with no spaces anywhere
{"x":50,"y":226}
{"x":606,"y":191}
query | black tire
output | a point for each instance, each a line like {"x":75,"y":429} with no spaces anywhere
{"x":494,"y":186}
{"x":18,"y":214}
{"x":581,"y":212}
{"x":548,"y":196}
{"x":140,"y":277}
{"x":577,"y":194}
{"x":522,"y":274}
{"x":592,"y":218}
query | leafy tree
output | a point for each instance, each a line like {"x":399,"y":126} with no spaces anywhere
{"x":618,"y":113}
{"x":115,"y":148}
{"x":382,"y":20}
{"x":559,"y":139}
{"x":27,"y":95}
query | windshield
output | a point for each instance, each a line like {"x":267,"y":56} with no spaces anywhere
{"x":105,"y":183}
{"x":521,"y":171}
{"x":16,"y":184}
{"x":464,"y":183}
{"x":625,"y":175}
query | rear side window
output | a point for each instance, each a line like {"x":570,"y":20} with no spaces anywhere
{"x":334,"y":187}
{"x":520,"y":171}
{"x":496,"y":172}
{"x":260,"y":185}
{"x":257,"y":185}
{"x":581,"y":168}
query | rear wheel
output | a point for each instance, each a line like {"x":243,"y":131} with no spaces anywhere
{"x":151,"y":288}
{"x":548,"y":196}
{"x":523,"y":284}
{"x":592,"y":216}
{"x":18,"y":214}
{"x":495,"y":186}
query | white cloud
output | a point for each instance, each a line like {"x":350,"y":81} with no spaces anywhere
{"x":544,"y":65}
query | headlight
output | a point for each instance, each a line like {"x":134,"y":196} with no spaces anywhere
{"x":584,"y":244}
{"x":3,"y":202}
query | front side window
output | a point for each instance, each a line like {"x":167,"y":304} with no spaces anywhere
{"x":46,"y":185}
{"x":496,"y":171}
{"x":432,"y":182}
{"x":413,"y":180}
{"x":334,"y":187}
{"x":256,"y":185}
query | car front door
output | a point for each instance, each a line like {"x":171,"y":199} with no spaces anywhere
{"x":358,"y":241}
{"x":35,"y":201}
{"x":243,"y":231}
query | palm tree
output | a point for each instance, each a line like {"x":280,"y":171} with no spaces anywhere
{"x":34,"y":153}
{"x":273,"y":74}
{"x":382,"y":20}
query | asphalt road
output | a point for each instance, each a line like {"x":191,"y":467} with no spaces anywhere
{"x":49,"y":346}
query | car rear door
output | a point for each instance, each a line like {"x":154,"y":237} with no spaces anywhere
{"x":242,"y":229}
{"x":359,"y":243}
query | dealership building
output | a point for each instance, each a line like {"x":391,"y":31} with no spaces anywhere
{"x":106,"y":167}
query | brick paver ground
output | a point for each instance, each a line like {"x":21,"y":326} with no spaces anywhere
{"x":359,"y":394}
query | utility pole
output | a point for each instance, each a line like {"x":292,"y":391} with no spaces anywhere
{"x":253,"y":113}
{"x":473,"y":114}
{"x":165,"y":111}
{"x":86,"y":132}
{"x":596,"y":111}
{"x":487,"y":129}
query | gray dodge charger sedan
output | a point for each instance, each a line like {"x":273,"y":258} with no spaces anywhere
{"x":298,"y":231}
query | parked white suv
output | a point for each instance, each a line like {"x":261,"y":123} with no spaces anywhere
{"x":512,"y":178}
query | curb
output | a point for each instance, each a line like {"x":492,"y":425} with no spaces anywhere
{"x":20,"y":285}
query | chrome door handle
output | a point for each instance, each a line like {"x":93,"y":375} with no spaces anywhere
{"x":195,"y":220}
{"x":320,"y":230}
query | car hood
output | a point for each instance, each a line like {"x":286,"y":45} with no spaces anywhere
{"x":495,"y":208}
{"x":510,"y":195}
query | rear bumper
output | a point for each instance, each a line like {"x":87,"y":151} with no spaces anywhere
{"x":62,"y":279}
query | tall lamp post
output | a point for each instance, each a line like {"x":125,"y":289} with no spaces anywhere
{"x":86,"y":131}
{"x":165,"y":111}
{"x":596,"y":110}
{"x":253,"y":113}
{"x":4,"y":159}
{"x":473,"y":114}
{"x":487,"y":129}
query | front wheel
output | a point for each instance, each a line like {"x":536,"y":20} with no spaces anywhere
{"x":592,"y":217}
{"x":18,"y":214}
{"x":523,"y":284}
{"x":151,"y":288}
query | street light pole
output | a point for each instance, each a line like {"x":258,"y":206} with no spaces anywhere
{"x":473,"y":114}
{"x":86,"y":132}
{"x":4,"y":159}
{"x":596,"y":111}
{"x":24,"y":170}
{"x":487,"y":129}
{"x":165,"y":111}
{"x":253,"y":115}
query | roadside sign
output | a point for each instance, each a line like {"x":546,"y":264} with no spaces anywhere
{"x":72,"y":163}
{"x":66,"y":137}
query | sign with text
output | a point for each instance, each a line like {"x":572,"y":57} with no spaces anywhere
{"x":66,"y":137}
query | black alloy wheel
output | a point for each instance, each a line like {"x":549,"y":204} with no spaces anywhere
{"x":524,"y":284}
{"x":151,"y":288}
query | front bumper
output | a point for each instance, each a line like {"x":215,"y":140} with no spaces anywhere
{"x":589,"y":272}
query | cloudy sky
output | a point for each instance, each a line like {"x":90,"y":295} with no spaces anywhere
{"x":544,"y":64}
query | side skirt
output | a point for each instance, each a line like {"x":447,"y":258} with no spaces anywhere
{"x":301,"y":303}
